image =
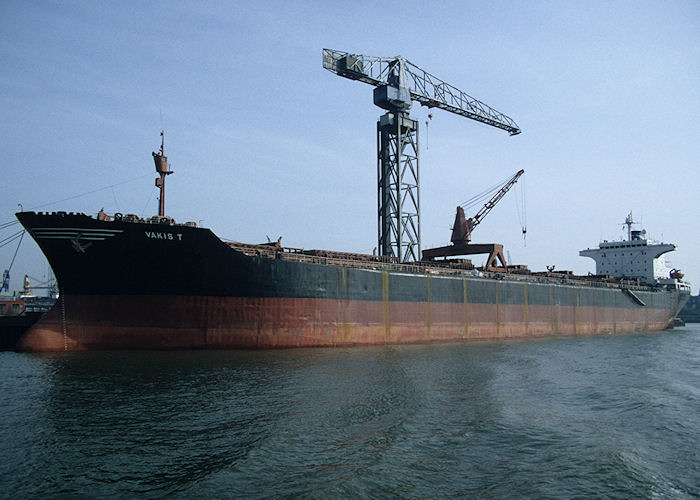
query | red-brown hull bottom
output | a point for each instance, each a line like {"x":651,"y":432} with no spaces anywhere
{"x":91,"y":322}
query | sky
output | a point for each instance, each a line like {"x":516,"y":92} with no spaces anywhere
{"x":265,"y":143}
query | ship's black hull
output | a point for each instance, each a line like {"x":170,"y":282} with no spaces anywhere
{"x":136,"y":285}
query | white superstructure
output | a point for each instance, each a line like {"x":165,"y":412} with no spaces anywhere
{"x":636,"y":257}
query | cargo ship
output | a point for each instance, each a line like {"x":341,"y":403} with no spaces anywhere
{"x":132,"y":283}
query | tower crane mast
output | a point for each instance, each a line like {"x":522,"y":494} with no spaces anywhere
{"x":398,"y":83}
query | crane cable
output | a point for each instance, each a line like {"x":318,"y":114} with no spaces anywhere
{"x":5,"y":225}
{"x":5,"y":283}
{"x":91,"y":192}
{"x":16,"y":250}
{"x":484,"y":195}
{"x":12,"y":237}
{"x":522,"y":214}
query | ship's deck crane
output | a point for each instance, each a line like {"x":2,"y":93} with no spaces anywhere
{"x":463,"y":227}
{"x":397,"y":83}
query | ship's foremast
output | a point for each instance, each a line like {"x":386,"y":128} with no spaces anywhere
{"x":161,"y":162}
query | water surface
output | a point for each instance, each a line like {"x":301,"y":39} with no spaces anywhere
{"x":608,"y":416}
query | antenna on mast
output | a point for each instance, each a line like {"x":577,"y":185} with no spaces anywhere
{"x":628,"y":222}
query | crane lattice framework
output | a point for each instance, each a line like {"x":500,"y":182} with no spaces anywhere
{"x":397,"y":83}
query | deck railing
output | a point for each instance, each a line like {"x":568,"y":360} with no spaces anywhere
{"x":342,"y":259}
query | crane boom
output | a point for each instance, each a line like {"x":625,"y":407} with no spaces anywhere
{"x":423,"y":87}
{"x":495,"y":199}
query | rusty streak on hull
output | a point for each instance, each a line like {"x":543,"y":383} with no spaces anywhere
{"x":88,"y":322}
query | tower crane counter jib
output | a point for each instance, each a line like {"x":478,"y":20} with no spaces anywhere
{"x":397,"y":84}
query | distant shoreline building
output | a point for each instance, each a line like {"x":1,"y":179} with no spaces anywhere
{"x":691,"y":311}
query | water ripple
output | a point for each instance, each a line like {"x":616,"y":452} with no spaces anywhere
{"x":613,"y":417}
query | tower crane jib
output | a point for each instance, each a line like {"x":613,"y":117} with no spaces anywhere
{"x":423,"y":87}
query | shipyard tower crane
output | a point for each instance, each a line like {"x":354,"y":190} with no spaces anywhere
{"x":397,"y":83}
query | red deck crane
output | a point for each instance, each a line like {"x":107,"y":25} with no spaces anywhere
{"x":463,"y":227}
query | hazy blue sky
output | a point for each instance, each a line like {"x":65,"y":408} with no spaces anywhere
{"x":264,"y":142}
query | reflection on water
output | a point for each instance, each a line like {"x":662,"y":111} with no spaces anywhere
{"x":607,"y":416}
